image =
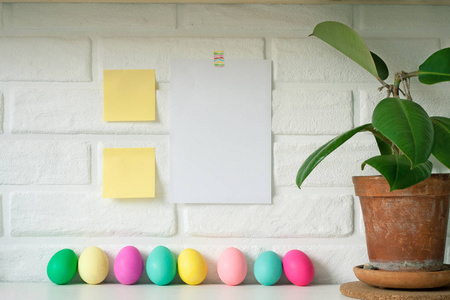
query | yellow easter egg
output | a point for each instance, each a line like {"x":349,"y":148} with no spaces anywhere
{"x":192,"y":267}
{"x":93,"y":265}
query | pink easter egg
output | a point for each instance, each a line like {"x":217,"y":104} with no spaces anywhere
{"x":128,"y":265}
{"x":232,"y":266}
{"x":298,"y":268}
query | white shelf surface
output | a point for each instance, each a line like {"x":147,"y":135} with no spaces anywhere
{"x":49,"y":291}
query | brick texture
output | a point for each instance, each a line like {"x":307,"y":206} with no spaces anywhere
{"x":156,"y":53}
{"x":263,"y":17}
{"x":1,"y":112}
{"x":290,"y":216}
{"x":80,"y":214}
{"x":336,"y":169}
{"x":45,"y":59}
{"x":413,"y":18}
{"x":311,"y":112}
{"x":94,"y":16}
{"x":44,"y":162}
{"x":77,"y":111}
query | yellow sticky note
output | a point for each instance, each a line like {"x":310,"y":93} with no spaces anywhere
{"x":129,"y":95}
{"x":129,"y":173}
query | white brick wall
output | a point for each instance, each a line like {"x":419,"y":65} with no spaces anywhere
{"x":1,"y":112}
{"x":262,"y":17}
{"x":404,"y":18}
{"x":45,"y":59}
{"x":52,"y":134}
{"x":291,"y":215}
{"x":94,"y":16}
{"x":44,"y":162}
{"x":77,"y":111}
{"x":293,"y":112}
{"x":82,"y":214}
{"x":336,"y":169}
{"x":156,"y":53}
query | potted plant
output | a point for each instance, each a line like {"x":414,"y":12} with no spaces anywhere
{"x":405,"y":210}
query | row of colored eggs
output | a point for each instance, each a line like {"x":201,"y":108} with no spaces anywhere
{"x":161,"y":266}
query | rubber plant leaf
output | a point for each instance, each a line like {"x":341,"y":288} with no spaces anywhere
{"x":407,"y":125}
{"x":317,"y":156}
{"x":441,"y":147}
{"x":396,"y":169}
{"x":436,"y":68}
{"x":381,"y":66}
{"x":385,"y":148}
{"x":348,"y":42}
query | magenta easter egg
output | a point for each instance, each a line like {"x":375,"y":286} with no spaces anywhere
{"x":232,"y":266}
{"x":298,"y":268}
{"x":128,"y":265}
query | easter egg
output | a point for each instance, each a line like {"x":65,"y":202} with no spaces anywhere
{"x":192,"y":267}
{"x":232,"y":266}
{"x":128,"y":265}
{"x":93,"y":265}
{"x":161,"y":266}
{"x":268,"y":268}
{"x":298,"y":268}
{"x":62,"y":267}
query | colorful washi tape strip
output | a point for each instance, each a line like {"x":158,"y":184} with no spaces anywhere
{"x":219,"y":61}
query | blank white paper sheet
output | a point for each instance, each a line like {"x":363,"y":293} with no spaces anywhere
{"x":220,"y":132}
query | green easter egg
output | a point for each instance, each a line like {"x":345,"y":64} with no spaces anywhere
{"x":62,"y":267}
{"x":268,"y":268}
{"x":161,"y":266}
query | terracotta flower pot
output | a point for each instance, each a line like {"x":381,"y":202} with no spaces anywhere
{"x":405,"y":229}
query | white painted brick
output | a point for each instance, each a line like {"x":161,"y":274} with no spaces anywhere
{"x":44,"y":162}
{"x":291,"y":215}
{"x":263,"y":17}
{"x":336,"y":169}
{"x":332,"y":264}
{"x":156,"y":53}
{"x":434,"y":101}
{"x":23,"y":263}
{"x":161,"y":157}
{"x":445,"y":43}
{"x":398,"y":56}
{"x":1,"y":112}
{"x":94,"y":16}
{"x":404,"y":18}
{"x":311,"y":60}
{"x":1,"y":216}
{"x":75,"y":111}
{"x":80,"y":214}
{"x":45,"y":59}
{"x":296,"y":111}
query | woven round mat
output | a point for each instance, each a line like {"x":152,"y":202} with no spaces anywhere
{"x":360,"y":290}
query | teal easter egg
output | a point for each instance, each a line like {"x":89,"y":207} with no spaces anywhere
{"x":161,"y":266}
{"x":62,"y":267}
{"x":268,"y":268}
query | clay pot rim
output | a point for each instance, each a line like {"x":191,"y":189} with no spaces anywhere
{"x":377,"y":186}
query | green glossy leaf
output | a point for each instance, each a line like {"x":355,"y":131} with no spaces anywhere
{"x":407,"y":125}
{"x":381,"y":66}
{"x":317,"y":156}
{"x":348,"y":42}
{"x":436,"y":68}
{"x":441,"y":147}
{"x":385,"y":148}
{"x":396,"y":169}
